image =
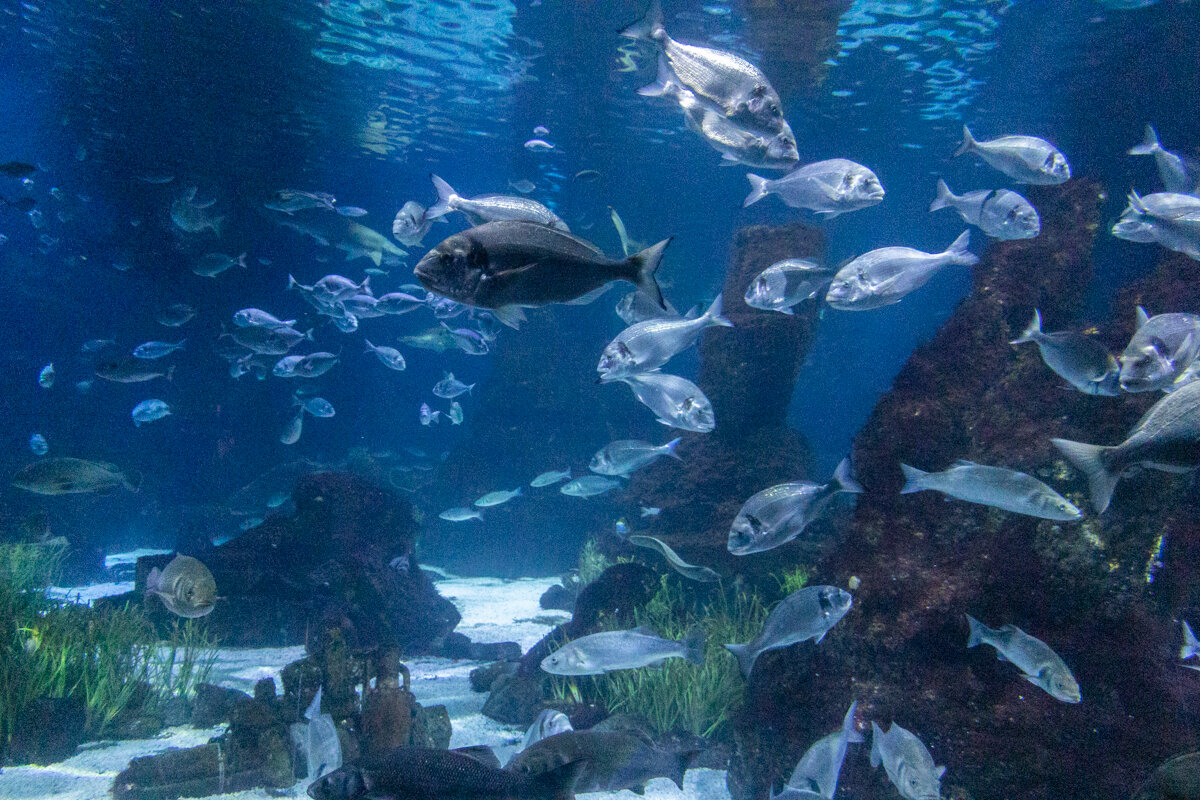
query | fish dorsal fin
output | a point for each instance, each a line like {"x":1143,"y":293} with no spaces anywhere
{"x":644,"y":630}
{"x":962,"y":462}
{"x":481,"y":753}
{"x":1142,"y":316}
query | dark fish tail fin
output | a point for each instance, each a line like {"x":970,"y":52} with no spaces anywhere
{"x":845,"y":478}
{"x":648,"y":27}
{"x":558,"y":783}
{"x":693,"y":645}
{"x":1149,"y":145}
{"x":944,"y":198}
{"x":442,"y":206}
{"x":912,"y":477}
{"x":758,"y":189}
{"x":745,"y":656}
{"x":645,"y":264}
{"x":1031,"y":331}
{"x":968,"y":142}
{"x":1089,"y":459}
{"x":683,"y":762}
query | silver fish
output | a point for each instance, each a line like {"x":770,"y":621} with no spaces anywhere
{"x":884,"y":276}
{"x":1167,"y":438}
{"x":269,"y":341}
{"x":993,"y":486}
{"x":821,"y":764}
{"x":547,"y":724}
{"x":192,"y":217}
{"x":1025,"y":159}
{"x":805,"y":614}
{"x":736,"y":144}
{"x":153,"y":350}
{"x":997,"y":212}
{"x":390,"y":357}
{"x":1172,"y":170}
{"x":455,"y":413}
{"x":291,"y":434}
{"x":256,"y":317}
{"x":727,"y":83}
{"x":692,"y":572}
{"x":677,"y":402}
{"x":1160,"y":352}
{"x":1171,"y":220}
{"x":1081,"y":360}
{"x":780,"y":513}
{"x":1041,"y":666}
{"x":830,"y":187}
{"x":213,"y":264}
{"x":185,"y":586}
{"x":314,"y":365}
{"x":648,"y":345}
{"x":786,"y":284}
{"x":907,"y":762}
{"x":629,"y":455}
{"x":450,"y":387}
{"x":175,"y":315}
{"x":589,"y":486}
{"x":615,"y":650}
{"x":398,"y":303}
{"x":460,"y":514}
{"x":551,"y":477}
{"x":317,"y":406}
{"x":637,"y":307}
{"x":497,"y":497}
{"x":149,"y":411}
{"x":428,"y":416}
{"x":491,"y":207}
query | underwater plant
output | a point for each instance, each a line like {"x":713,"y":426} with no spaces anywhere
{"x":679,"y":696}
{"x":592,"y":563}
{"x":110,"y":658}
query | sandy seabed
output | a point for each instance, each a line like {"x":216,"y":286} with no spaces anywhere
{"x":493,"y":610}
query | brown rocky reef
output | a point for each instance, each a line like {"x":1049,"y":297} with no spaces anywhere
{"x":925,"y":562}
{"x":752,"y":446}
{"x":344,"y":559}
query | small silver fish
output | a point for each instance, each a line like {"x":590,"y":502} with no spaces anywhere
{"x":993,"y":486}
{"x":677,"y":402}
{"x":38,"y":444}
{"x":390,"y":357}
{"x":428,"y":416}
{"x":46,"y":376}
{"x":550,"y":478}
{"x":780,"y":513}
{"x":650,"y":344}
{"x":626,"y":456}
{"x":497,"y":497}
{"x":1171,"y":220}
{"x":450,"y":387}
{"x":153,"y":350}
{"x":831,"y":187}
{"x":256,"y":317}
{"x":149,"y":411}
{"x":411,"y":224}
{"x":821,"y":764}
{"x":317,"y":406}
{"x":616,"y":650}
{"x":805,"y":614}
{"x":291,"y":434}
{"x":589,"y":486}
{"x":460,"y":514}
{"x":650,"y":511}
{"x":1025,"y":159}
{"x":491,"y":207}
{"x":211,"y":265}
{"x":885,"y":276}
{"x":1041,"y":666}
{"x":1160,"y":352}
{"x":455,"y":413}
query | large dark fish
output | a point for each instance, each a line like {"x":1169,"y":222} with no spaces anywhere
{"x":131,"y":370}
{"x":614,"y":760}
{"x":17,"y":169}
{"x":422,"y":773}
{"x":505,"y":265}
{"x":55,"y":476}
{"x":1177,"y":779}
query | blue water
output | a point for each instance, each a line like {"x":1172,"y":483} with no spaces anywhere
{"x":364,"y":100}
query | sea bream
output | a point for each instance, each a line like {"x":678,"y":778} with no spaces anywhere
{"x":411,"y":224}
{"x":1160,"y":352}
{"x":1080,"y":360}
{"x":727,"y":83}
{"x":491,"y":207}
{"x":780,"y":513}
{"x":503,"y":266}
{"x":1172,"y":220}
{"x":626,"y":456}
{"x":830,"y":187}
{"x":547,"y":723}
{"x":648,"y":345}
{"x":805,"y":614}
{"x":999,"y":213}
{"x":884,"y":276}
{"x":1025,"y":159}
{"x":821,"y":764}
{"x":785,"y":284}
{"x":676,"y":401}
{"x":998,"y":487}
{"x":1167,"y":438}
{"x":1040,"y":665}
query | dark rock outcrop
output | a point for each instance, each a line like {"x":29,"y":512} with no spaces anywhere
{"x":343,"y":560}
{"x":47,"y":730}
{"x":921,"y":563}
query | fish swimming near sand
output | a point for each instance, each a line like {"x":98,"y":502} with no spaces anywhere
{"x":185,"y":586}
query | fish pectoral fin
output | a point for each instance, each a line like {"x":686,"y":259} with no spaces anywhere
{"x":829,"y":191}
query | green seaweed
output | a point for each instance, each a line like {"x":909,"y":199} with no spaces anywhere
{"x":679,"y":696}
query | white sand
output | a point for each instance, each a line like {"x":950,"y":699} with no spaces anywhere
{"x":493,"y":610}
